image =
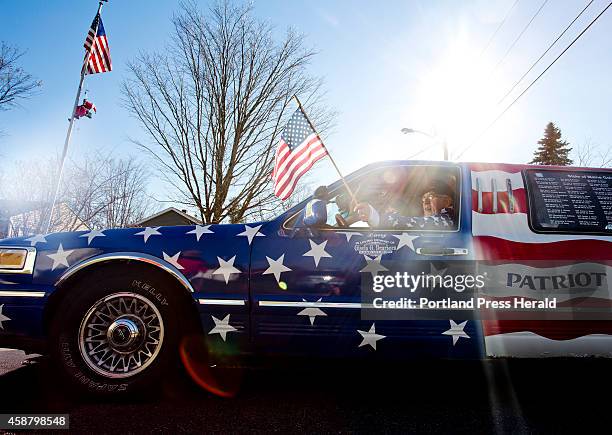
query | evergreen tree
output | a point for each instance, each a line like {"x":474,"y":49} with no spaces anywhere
{"x":552,"y":150}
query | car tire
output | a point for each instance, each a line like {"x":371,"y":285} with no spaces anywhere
{"x":117,"y":330}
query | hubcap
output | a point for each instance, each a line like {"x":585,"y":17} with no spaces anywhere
{"x":121,"y":335}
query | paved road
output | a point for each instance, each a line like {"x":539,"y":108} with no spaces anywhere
{"x":449,"y":397}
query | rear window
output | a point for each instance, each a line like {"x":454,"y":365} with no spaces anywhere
{"x":570,"y":201}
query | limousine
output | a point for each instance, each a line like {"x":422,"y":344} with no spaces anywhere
{"x":113,"y":308}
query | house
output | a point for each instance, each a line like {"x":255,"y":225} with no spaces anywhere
{"x":168,"y":217}
{"x":26,"y":218}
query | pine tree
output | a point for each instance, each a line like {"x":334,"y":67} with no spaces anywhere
{"x":552,"y":150}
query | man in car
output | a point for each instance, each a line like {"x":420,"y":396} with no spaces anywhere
{"x":438,"y":213}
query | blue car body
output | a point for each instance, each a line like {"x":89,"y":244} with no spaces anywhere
{"x":256,"y":280}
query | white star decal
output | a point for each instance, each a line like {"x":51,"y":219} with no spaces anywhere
{"x":222,"y":327}
{"x":250,"y":232}
{"x":39,"y":238}
{"x":60,"y":257}
{"x":373,"y":265}
{"x":3,"y":318}
{"x":173,"y":260}
{"x":348,"y":234}
{"x":370,"y":337}
{"x":312,"y":312}
{"x":226,"y":268}
{"x":276,"y":267}
{"x":92,"y":235}
{"x":148,"y":232}
{"x":200,"y":230}
{"x":317,"y":251}
{"x":456,"y":330}
{"x":200,"y":275}
{"x":405,"y":239}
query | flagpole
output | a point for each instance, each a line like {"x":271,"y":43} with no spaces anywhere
{"x":326,"y":150}
{"x":71,"y":124}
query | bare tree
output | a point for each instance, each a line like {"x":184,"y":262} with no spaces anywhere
{"x":15,"y":83}
{"x":213,"y":105}
{"x":591,"y":154}
{"x":123,"y":198}
{"x":96,"y":192}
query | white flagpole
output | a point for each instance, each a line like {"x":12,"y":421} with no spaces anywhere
{"x":71,"y":124}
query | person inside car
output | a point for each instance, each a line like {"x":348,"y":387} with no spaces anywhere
{"x":345,"y":217}
{"x":426,"y":201}
{"x":438,"y":213}
{"x":315,"y":212}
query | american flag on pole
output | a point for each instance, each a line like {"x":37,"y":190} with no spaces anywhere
{"x":299,"y":148}
{"x":97,"y":48}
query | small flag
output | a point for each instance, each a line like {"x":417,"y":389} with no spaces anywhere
{"x":299,"y":148}
{"x":86,"y":109}
{"x":97,"y":48}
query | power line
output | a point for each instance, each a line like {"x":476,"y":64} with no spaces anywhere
{"x":419,"y":152}
{"x":533,"y":82}
{"x":518,"y":37}
{"x":498,"y":28}
{"x":544,"y":54}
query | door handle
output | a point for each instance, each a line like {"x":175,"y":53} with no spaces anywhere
{"x":441,"y":252}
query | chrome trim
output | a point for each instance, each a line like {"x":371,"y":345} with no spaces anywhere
{"x":222,"y":301}
{"x":443,"y":252}
{"x":28,"y":267}
{"x":494,"y":190}
{"x":21,"y":294}
{"x":479,"y":190}
{"x":303,"y":304}
{"x":379,"y":230}
{"x":144,"y":258}
{"x":510,"y":195}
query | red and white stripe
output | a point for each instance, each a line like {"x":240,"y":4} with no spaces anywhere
{"x":504,"y":236}
{"x":289,"y":165}
{"x":99,"y":58}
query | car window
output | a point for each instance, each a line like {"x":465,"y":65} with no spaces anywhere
{"x":400,"y":198}
{"x":570,"y":201}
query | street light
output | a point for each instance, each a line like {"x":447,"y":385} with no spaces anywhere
{"x":406,"y":130}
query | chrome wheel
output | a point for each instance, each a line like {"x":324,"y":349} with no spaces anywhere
{"x":121,"y":335}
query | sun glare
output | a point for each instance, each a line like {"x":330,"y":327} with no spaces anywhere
{"x":456,"y":97}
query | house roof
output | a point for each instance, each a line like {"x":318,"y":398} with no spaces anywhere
{"x":169,"y":210}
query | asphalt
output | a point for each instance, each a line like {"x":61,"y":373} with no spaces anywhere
{"x":550,"y":396}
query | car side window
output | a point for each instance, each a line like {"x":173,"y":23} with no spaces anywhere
{"x":406,"y":198}
{"x":569,"y":201}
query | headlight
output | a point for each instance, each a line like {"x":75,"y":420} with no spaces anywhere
{"x":17,"y":260}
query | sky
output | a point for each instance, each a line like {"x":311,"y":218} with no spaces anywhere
{"x":386,"y":65}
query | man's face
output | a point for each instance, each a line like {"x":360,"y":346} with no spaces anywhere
{"x":427,"y":204}
{"x":434,"y":202}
